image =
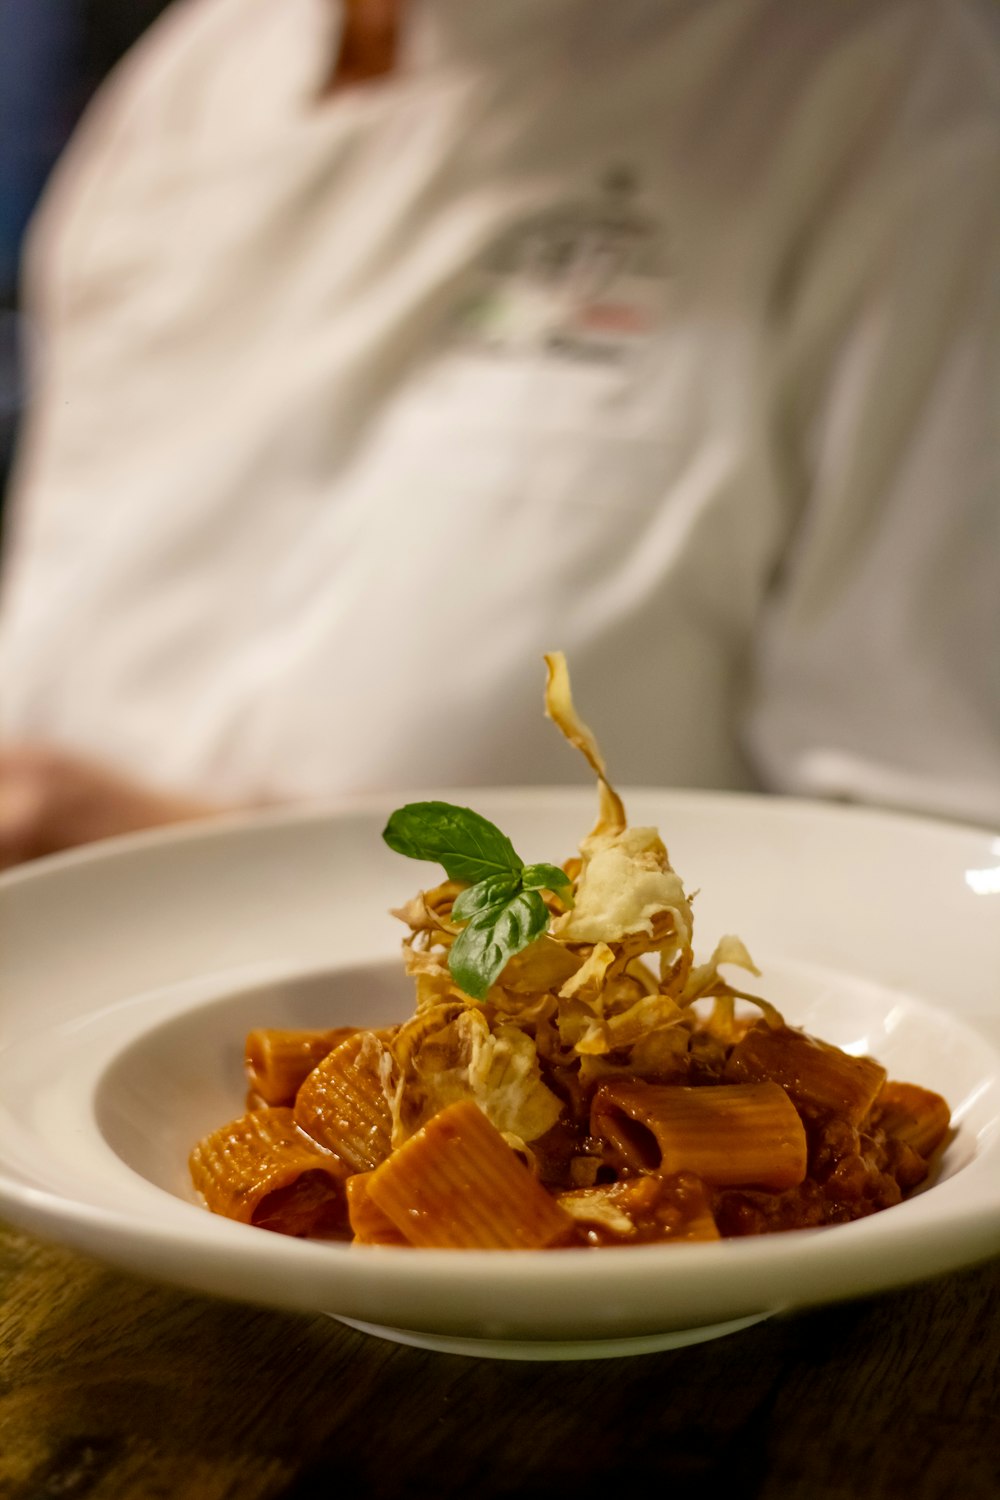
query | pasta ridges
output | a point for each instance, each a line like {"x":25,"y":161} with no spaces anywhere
{"x":819,"y":1078}
{"x":917,"y":1117}
{"x":432,"y":1188}
{"x":729,"y":1135}
{"x":279,"y":1059}
{"x":342,"y":1104}
{"x":260,"y":1169}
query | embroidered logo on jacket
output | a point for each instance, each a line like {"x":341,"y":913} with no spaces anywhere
{"x":583,"y":281}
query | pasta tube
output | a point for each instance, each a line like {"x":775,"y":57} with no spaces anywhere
{"x":261,"y":1170}
{"x":819,"y":1078}
{"x":728,"y":1135}
{"x":370,"y":1225}
{"x":456,"y":1184}
{"x":278,"y":1060}
{"x":342,"y":1104}
{"x":915,"y":1116}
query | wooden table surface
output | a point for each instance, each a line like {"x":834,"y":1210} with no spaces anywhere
{"x":116,"y":1388}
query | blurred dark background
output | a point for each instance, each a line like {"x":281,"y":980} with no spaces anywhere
{"x":53,"y":55}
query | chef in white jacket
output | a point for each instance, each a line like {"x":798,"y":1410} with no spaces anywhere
{"x":380,"y":348}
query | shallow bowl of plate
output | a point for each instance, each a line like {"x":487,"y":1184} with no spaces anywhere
{"x":131,"y":971}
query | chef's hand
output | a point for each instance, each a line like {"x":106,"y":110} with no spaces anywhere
{"x":51,"y":800}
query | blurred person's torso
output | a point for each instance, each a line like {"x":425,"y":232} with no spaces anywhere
{"x":358,"y":404}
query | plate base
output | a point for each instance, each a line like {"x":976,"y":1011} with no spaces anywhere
{"x":554,"y":1349}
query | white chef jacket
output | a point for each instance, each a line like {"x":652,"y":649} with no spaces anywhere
{"x":663,"y":332}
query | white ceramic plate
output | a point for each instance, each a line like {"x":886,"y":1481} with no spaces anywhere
{"x":129,"y":973}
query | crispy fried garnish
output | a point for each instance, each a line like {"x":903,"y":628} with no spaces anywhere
{"x":607,"y":990}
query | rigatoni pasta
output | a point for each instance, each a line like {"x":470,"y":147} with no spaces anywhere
{"x":261,"y":1170}
{"x":740,"y":1135}
{"x":341,"y":1104}
{"x":456,"y":1184}
{"x":279,"y":1059}
{"x":818,"y":1078}
{"x":369,"y":1225}
{"x":571,"y":1075}
{"x":914,"y":1116}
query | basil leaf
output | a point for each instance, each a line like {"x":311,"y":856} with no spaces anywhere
{"x":503,"y":909}
{"x":493,"y":891}
{"x":548,"y":878}
{"x":468,"y":845}
{"x":494,"y":935}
